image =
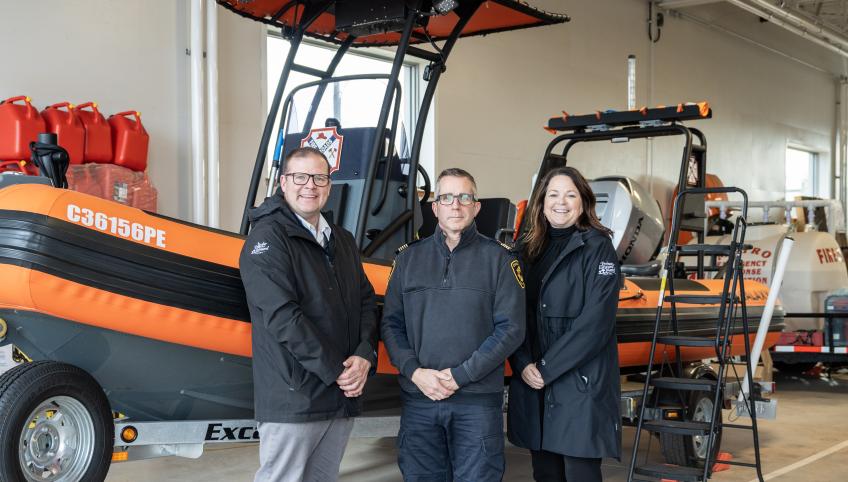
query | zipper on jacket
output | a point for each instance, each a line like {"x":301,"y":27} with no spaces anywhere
{"x":447,"y":267}
{"x":335,"y":276}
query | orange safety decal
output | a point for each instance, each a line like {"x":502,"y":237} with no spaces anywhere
{"x":704,"y":108}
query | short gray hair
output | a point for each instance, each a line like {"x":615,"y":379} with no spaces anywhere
{"x":457,"y":172}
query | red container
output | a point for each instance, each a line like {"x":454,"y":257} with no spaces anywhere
{"x":20,"y":124}
{"x":24,"y":167}
{"x":114,"y":183}
{"x":802,"y":338}
{"x":129,"y":140}
{"x":98,"y":135}
{"x":67,"y":127}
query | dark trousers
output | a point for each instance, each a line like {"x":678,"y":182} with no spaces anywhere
{"x":551,"y":467}
{"x":445,"y":441}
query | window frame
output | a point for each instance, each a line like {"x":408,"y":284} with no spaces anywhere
{"x":410,"y":77}
{"x":815,"y":171}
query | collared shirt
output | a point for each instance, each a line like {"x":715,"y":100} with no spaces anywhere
{"x":322,"y":234}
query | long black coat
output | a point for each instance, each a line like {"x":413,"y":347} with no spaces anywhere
{"x":575,"y":337}
{"x":309,"y":312}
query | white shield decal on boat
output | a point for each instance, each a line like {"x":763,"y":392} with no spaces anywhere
{"x":328,"y":141}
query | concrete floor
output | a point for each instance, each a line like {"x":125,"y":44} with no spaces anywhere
{"x":808,"y":442}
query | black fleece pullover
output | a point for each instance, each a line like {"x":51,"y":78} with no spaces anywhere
{"x":460,"y":309}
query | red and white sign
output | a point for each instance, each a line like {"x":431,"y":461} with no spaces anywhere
{"x":328,"y":141}
{"x":810,"y":349}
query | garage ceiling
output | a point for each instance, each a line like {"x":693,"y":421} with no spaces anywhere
{"x":831,"y":13}
{"x":814,"y":32}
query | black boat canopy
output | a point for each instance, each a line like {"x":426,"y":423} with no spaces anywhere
{"x":492,"y":16}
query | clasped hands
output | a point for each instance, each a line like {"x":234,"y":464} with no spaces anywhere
{"x":435,"y":384}
{"x":533,"y":377}
{"x":353,"y":378}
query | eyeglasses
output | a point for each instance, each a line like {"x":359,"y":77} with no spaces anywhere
{"x":464,"y":198}
{"x":301,"y":178}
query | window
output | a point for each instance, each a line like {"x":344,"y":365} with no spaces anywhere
{"x":802,"y":173}
{"x":356,"y":61}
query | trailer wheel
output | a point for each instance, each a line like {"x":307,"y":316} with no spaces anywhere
{"x":55,"y":425}
{"x":688,"y":450}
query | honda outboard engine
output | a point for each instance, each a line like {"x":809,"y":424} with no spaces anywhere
{"x":634,"y":216}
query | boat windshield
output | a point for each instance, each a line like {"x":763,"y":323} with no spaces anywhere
{"x":323,"y":114}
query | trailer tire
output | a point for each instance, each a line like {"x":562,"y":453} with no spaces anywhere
{"x":687,"y":450}
{"x":53,"y":417}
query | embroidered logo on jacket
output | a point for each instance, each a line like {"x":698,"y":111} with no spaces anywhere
{"x":516,"y":270}
{"x":260,"y":248}
{"x":605,"y":268}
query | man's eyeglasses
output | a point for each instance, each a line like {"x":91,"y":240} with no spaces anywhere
{"x":464,"y":198}
{"x":301,"y":178}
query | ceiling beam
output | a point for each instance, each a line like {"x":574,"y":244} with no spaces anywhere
{"x":669,"y":4}
{"x":814,"y":33}
{"x":817,"y":30}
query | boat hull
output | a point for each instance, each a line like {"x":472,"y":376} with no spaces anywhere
{"x":157,"y":314}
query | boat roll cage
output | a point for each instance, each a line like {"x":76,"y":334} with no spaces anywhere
{"x":622,"y":126}
{"x":368,"y":23}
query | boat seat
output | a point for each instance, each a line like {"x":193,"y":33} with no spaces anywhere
{"x":496,"y":215}
{"x":648,"y":269}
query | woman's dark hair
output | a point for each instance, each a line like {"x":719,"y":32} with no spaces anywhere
{"x":535,"y":238}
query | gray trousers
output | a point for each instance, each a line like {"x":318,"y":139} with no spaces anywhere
{"x":302,"y":452}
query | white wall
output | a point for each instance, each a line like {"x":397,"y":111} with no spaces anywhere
{"x":500,"y":90}
{"x":123,"y":55}
{"x":496,"y":95}
{"x":241,"y":45}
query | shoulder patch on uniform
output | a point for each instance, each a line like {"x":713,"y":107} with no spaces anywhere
{"x":260,"y":248}
{"x":516,"y":270}
{"x":399,"y":250}
{"x":605,"y":268}
{"x":505,"y":246}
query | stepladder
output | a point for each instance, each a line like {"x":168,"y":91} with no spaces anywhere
{"x":666,"y":383}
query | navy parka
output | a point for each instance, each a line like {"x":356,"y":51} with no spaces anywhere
{"x":577,"y":356}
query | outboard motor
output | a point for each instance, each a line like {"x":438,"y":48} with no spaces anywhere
{"x":51,"y":159}
{"x":634,"y":216}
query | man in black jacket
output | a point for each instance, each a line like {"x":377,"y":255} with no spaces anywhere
{"x":314,"y":325}
{"x":454,"y":311}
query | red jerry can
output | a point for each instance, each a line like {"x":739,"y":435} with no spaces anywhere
{"x":67,"y":127}
{"x":129,"y":140}
{"x":98,"y":135}
{"x":23,"y":167}
{"x":20,"y":124}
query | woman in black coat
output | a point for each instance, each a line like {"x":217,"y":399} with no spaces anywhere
{"x":564,"y":406}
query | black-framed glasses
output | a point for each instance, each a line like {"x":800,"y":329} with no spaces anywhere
{"x":464,"y":198}
{"x":301,"y":178}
